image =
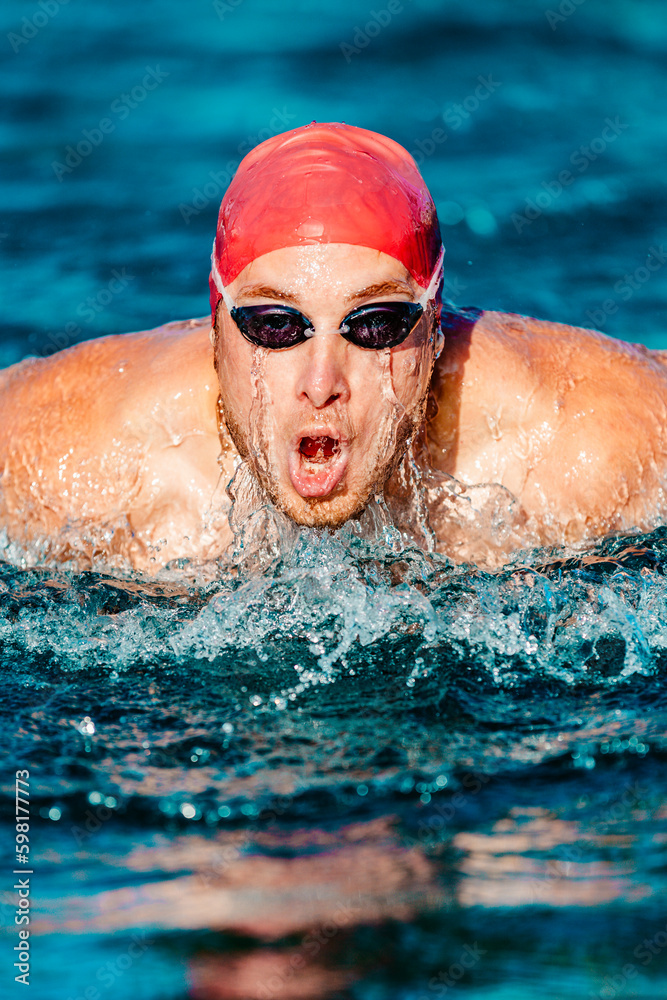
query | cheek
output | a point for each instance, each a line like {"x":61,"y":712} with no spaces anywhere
{"x":277,"y":387}
{"x":235,"y":362}
{"x":410,"y":373}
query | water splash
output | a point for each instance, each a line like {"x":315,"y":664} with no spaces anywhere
{"x":334,"y":601}
{"x":327,"y":598}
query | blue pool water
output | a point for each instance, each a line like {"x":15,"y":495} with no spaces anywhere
{"x":348,"y":769}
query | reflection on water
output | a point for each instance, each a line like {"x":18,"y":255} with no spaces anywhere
{"x":352,"y":771}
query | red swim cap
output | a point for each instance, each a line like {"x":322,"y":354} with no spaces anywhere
{"x":326,"y":183}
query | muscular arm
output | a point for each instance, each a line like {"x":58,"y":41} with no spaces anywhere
{"x":115,"y":439}
{"x":573,"y":423}
{"x":112,"y":446}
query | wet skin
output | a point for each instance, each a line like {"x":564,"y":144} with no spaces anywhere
{"x":320,"y":421}
{"x":123,"y":432}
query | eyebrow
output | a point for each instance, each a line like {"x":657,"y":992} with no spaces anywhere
{"x":381,"y":288}
{"x":265,"y":292}
{"x":369,"y":292}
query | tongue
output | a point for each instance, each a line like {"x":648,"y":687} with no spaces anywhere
{"x":317,"y":466}
{"x":319,"y":449}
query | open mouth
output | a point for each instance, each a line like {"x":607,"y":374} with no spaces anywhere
{"x":317,"y":463}
{"x":319,"y":449}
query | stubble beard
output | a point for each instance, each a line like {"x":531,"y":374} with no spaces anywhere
{"x":334,"y":510}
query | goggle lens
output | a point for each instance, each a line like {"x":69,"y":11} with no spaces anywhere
{"x":274,"y":327}
{"x":373,"y":327}
{"x":382,"y":325}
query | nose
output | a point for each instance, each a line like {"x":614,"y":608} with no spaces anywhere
{"x":323,"y":375}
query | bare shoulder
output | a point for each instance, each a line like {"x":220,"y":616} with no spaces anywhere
{"x":100,"y":382}
{"x":571,"y":421}
{"x":477,"y":340}
{"x":93,"y":432}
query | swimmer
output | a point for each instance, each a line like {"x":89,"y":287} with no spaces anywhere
{"x":328,"y":356}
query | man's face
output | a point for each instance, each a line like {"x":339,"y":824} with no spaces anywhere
{"x":323,"y":424}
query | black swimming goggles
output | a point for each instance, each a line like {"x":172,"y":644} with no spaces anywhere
{"x":375,"y":326}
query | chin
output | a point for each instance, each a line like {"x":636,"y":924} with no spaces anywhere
{"x":333,"y":510}
{"x":321,"y":512}
{"x":364,"y":478}
{"x":329,"y":511}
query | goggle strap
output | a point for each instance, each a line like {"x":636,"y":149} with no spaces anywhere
{"x":217,"y":281}
{"x":436,"y":278}
{"x":423,"y":300}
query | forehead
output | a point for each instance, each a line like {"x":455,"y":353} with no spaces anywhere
{"x":323,"y":269}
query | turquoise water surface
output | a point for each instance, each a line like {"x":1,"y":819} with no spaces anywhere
{"x":348,"y":770}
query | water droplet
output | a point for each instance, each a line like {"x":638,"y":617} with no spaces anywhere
{"x":450,"y":213}
{"x":481,"y":221}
